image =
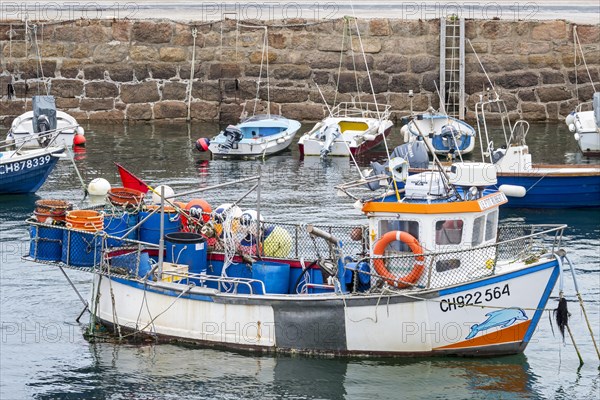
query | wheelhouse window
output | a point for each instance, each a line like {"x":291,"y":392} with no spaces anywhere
{"x":478,"y":229}
{"x":448,"y":231}
{"x":411,"y":227}
{"x":491,"y":225}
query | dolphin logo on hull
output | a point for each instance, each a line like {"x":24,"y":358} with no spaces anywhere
{"x":502,"y":318}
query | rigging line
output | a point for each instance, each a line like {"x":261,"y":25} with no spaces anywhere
{"x":354,"y":64}
{"x":262,"y":62}
{"x":481,"y":65}
{"x":193,"y":67}
{"x":578,"y":43}
{"x":161,"y":313}
{"x":362,"y":49}
{"x":337,"y":84}
{"x":114,"y":306}
{"x":268,"y":81}
{"x":39,"y":58}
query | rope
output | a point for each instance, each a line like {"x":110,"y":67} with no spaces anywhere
{"x":151,"y":322}
{"x":362,"y":49}
{"x":114,"y":308}
{"x":353,"y":62}
{"x":481,"y":65}
{"x":581,"y":305}
{"x":265,"y":50}
{"x":578,"y":43}
{"x":337,"y":83}
{"x":191,"y":81}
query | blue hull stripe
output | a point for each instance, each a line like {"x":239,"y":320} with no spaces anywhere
{"x":554,"y":191}
{"x":542,"y":304}
{"x":498,"y":278}
{"x":166,"y":292}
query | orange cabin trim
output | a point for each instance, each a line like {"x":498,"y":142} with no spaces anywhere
{"x":512,"y":334}
{"x":496,"y":200}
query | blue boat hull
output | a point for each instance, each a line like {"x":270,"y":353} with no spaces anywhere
{"x":28,"y":176}
{"x":554,"y":191}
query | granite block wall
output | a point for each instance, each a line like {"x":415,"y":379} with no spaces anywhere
{"x":140,"y":70}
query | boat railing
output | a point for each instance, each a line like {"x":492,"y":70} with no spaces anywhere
{"x":349,"y":109}
{"x":19,"y":142}
{"x":519,"y":132}
{"x":225,"y":284}
{"x":585,"y":106}
{"x":439,"y":267}
{"x":495,"y":105}
{"x":449,"y":265}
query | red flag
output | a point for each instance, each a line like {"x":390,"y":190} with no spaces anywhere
{"x":131,"y":181}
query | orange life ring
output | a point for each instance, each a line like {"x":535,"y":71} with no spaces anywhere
{"x":415,"y":246}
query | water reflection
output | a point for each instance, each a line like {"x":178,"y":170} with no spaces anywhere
{"x":294,"y":190}
{"x":161,"y":371}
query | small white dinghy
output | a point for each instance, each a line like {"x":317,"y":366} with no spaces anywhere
{"x":258,"y":136}
{"x":444,"y":133}
{"x":29,"y":127}
{"x":585,"y":126}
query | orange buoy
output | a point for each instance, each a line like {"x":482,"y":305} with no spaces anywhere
{"x":413,"y":244}
{"x":198,"y":209}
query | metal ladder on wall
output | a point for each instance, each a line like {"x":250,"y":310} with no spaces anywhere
{"x":452,"y":65}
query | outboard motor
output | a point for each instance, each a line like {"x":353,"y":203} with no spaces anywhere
{"x":232,"y":137}
{"x":43,"y":125}
{"x":330,"y":133}
{"x":415,"y":153}
{"x":451,"y":137}
{"x":43,"y":106}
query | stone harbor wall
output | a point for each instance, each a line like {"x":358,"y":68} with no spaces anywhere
{"x":114,"y":70}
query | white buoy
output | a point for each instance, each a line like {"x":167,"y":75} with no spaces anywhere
{"x":158,"y":190}
{"x":570,"y":119}
{"x":98,"y":187}
{"x":513,"y":190}
{"x":249,"y":217}
{"x":221,"y":213}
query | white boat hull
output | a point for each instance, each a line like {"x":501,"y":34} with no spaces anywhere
{"x":260,"y":136}
{"x":252,"y":148}
{"x":22,"y":128}
{"x":349,"y":142}
{"x":492,"y":315}
{"x":429,"y":128}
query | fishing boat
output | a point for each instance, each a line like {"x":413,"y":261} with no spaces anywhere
{"x":428,"y":272}
{"x":534,"y":185}
{"x":445,"y":134}
{"x":350,"y":129}
{"x":27,"y":127}
{"x":585,"y":125}
{"x":25,"y":170}
{"x":258,"y":136}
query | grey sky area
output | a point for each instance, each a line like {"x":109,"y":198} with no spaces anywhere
{"x":194,"y":10}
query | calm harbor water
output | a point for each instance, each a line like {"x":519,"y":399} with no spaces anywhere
{"x":43,"y":354}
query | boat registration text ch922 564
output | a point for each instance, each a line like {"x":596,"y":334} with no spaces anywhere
{"x":25,"y":164}
{"x":474,"y":298}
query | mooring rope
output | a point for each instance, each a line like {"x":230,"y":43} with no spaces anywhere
{"x":159,"y":314}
